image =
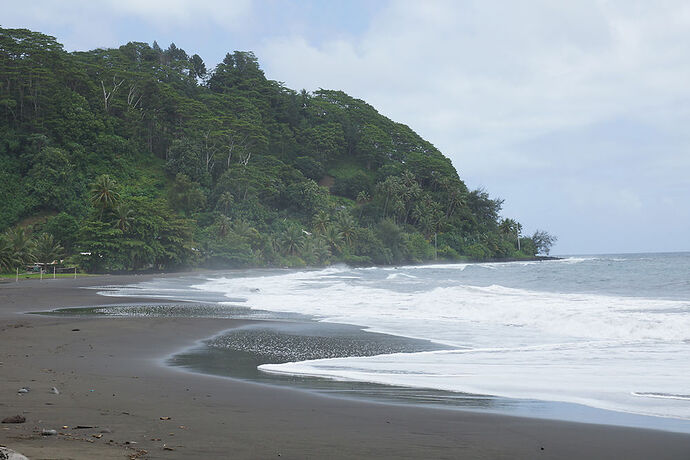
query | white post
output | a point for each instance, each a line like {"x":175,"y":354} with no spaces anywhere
{"x":518,"y":238}
{"x":75,"y":273}
{"x":53,"y":271}
{"x":41,"y":273}
{"x":16,"y":278}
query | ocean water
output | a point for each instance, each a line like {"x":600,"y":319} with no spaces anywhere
{"x":609,"y":332}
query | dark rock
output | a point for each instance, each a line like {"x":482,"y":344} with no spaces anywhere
{"x":14,"y":419}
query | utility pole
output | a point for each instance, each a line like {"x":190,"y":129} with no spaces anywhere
{"x":517,"y":232}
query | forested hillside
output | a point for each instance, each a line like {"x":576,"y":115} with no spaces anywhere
{"x":146,"y":159}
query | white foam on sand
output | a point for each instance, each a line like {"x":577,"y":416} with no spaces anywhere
{"x":599,"y":350}
{"x":9,"y":454}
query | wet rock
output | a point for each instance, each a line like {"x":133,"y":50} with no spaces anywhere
{"x":45,"y":432}
{"x":9,"y":454}
{"x":14,"y":419}
{"x":55,"y":391}
{"x":23,"y":390}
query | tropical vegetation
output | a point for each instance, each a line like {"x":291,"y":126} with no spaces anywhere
{"x":142,"y":158}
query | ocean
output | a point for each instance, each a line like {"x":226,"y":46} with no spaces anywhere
{"x":608,"y":332}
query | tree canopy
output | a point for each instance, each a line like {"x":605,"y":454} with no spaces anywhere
{"x":144,"y":158}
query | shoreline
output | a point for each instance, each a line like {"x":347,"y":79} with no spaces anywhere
{"x":10,"y":277}
{"x":107,"y":380}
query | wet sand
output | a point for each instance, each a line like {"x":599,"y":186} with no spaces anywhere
{"x":110,"y":378}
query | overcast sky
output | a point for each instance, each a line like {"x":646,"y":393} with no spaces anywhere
{"x":577,"y":113}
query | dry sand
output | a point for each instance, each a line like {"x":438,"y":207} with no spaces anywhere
{"x":110,"y":379}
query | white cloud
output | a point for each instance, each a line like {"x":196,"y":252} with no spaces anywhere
{"x":531,"y":99}
{"x":481,"y":76}
{"x":487,"y":82}
{"x":184,"y":13}
{"x":88,"y":24}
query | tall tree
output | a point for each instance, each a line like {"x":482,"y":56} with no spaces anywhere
{"x":104,"y":193}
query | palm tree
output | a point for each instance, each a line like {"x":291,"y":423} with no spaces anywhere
{"x":104,"y":193}
{"x":21,"y":245}
{"x":243,"y":229}
{"x":320,"y":221}
{"x":47,"y":249}
{"x":362,"y":198}
{"x":333,"y":238}
{"x":457,"y":198}
{"x":8,"y":260}
{"x":346,"y":227}
{"x":292,"y":240}
{"x":123,"y":217}
{"x":391,"y":188}
{"x":223,"y":226}
{"x":321,"y":251}
{"x":225,"y":200}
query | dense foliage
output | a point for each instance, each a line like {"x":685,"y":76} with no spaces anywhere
{"x":140,"y":158}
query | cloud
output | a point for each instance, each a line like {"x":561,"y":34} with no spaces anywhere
{"x":477,"y":76}
{"x":88,"y":24}
{"x":184,"y":13}
{"x":592,"y":92}
{"x":532,"y":100}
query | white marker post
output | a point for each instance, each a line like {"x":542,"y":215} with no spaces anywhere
{"x":16,"y":278}
{"x":53,"y":271}
{"x":75,"y":273}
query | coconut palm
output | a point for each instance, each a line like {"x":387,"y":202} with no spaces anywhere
{"x":47,"y":250}
{"x":321,"y":251}
{"x":243,"y":229}
{"x":8,"y":260}
{"x":223,"y":226}
{"x":21,"y":245}
{"x":391,"y":188}
{"x":123,"y":217}
{"x":104,"y":193}
{"x":362,"y":198}
{"x":333,"y":238}
{"x":346,"y":227}
{"x":320,"y":221}
{"x":291,"y":241}
{"x":225,"y":200}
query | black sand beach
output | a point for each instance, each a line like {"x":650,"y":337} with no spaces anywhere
{"x":110,"y":378}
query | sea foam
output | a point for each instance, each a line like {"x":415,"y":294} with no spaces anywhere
{"x":601,"y":350}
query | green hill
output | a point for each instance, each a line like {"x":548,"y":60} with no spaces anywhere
{"x":146,"y":160}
